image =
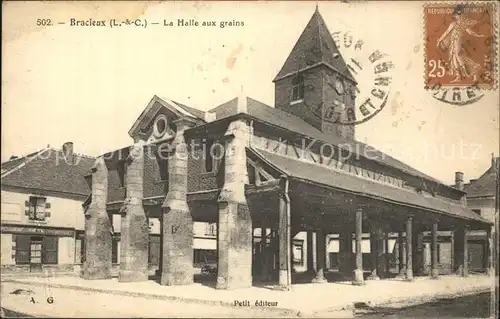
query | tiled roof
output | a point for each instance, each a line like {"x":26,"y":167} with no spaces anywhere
{"x":285,"y":120}
{"x":321,"y":175}
{"x":484,"y":186}
{"x":48,"y":170}
{"x":315,"y":46}
{"x":197,"y":113}
{"x":10,"y":164}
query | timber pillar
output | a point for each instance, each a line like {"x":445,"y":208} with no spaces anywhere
{"x":284,"y":236}
{"x":235,"y":230}
{"x":401,"y":255}
{"x":134,"y":239}
{"x":409,"y":249}
{"x":345,"y":252}
{"x":177,"y":223}
{"x":98,"y":227}
{"x":358,"y":271}
{"x":320,"y":257}
{"x":460,"y":251}
{"x":434,"y":251}
{"x":376,"y":251}
{"x":310,"y":252}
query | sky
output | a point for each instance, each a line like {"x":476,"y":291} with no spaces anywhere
{"x":89,"y":84}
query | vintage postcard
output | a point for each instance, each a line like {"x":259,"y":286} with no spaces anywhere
{"x":215,"y":159}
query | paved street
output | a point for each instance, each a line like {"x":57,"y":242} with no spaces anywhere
{"x":474,"y":306}
{"x":69,"y":303}
{"x":45,"y":301}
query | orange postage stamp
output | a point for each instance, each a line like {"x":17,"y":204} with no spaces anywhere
{"x":460,"y":45}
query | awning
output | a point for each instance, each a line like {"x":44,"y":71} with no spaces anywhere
{"x":318,"y":174}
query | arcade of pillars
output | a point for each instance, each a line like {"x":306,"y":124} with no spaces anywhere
{"x":240,"y":210}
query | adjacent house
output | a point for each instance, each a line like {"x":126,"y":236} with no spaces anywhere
{"x":42,"y":219}
{"x":482,"y":194}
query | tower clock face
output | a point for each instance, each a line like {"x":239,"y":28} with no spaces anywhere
{"x":339,"y":86}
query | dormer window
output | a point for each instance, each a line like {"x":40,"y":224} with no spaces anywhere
{"x":298,"y":87}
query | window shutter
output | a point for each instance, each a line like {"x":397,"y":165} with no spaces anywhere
{"x":47,"y":207}
{"x":27,"y":208}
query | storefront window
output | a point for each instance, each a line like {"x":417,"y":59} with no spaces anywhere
{"x":22,"y":249}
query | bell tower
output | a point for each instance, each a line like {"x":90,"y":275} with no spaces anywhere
{"x":315,"y":84}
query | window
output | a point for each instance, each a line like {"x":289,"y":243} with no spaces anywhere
{"x":211,"y":229}
{"x":298,"y":253}
{"x":49,"y":249}
{"x":204,"y":256}
{"x":36,"y":208}
{"x":163,"y":166}
{"x":22,"y":249}
{"x":114,"y":251}
{"x":477,"y":211}
{"x":209,"y":156}
{"x":122,"y":168}
{"x":298,"y":87}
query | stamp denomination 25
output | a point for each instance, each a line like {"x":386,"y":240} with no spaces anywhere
{"x":460,"y":50}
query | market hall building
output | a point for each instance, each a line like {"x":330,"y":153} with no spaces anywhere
{"x":243,"y":165}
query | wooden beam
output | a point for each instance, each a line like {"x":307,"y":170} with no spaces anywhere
{"x":264,"y":187}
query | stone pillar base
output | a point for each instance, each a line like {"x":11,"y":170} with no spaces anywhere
{"x":373,"y":276}
{"x":409,"y":275}
{"x":132,"y":276}
{"x":358,"y":278}
{"x":174,"y":279}
{"x":434,"y":274}
{"x":230,"y":284}
{"x":319,"y":278}
{"x":402,"y":273}
{"x":283,"y":277}
{"x":96,"y":274}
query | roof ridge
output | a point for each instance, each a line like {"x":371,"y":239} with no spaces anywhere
{"x":23,"y":164}
{"x":74,"y":153}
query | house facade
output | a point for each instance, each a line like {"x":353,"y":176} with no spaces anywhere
{"x":482,"y":198}
{"x":243,"y":167}
{"x":42,"y":220}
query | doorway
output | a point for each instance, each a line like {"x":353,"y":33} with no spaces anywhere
{"x":36,"y":254}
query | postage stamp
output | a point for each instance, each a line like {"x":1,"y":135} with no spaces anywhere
{"x":460,"y":44}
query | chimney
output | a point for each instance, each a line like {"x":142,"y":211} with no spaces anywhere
{"x":210,"y":117}
{"x":242,"y":102}
{"x":494,"y":161}
{"x":459,"y":180}
{"x":67,"y":149}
